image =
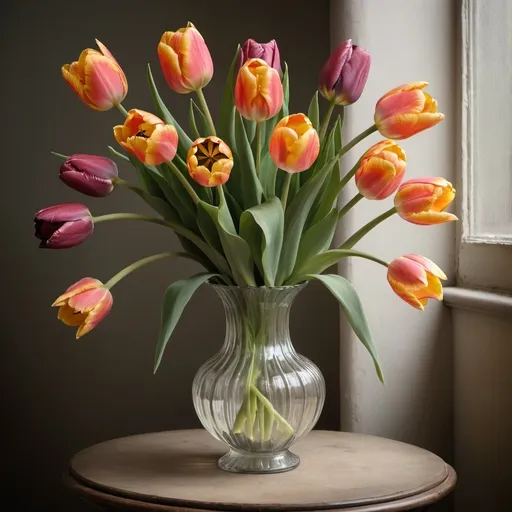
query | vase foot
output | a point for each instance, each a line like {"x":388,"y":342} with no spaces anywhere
{"x":243,"y":462}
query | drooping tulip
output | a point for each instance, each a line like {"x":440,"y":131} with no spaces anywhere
{"x":269,"y":52}
{"x":97,"y":78}
{"x":63,"y":225}
{"x":294,"y":144}
{"x":84,"y":305}
{"x":381,"y":170}
{"x":147,"y":137}
{"x":185,"y":60}
{"x":415,"y":279}
{"x":90,"y":174}
{"x":405,"y":111}
{"x":258,"y":91}
{"x":344,"y":75}
{"x":210,"y":161}
{"x":423,"y":201}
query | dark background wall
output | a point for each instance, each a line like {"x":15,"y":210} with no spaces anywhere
{"x":60,"y":394}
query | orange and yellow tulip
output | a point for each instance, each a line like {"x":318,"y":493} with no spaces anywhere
{"x":258,"y":91}
{"x":185,"y":60}
{"x":147,"y":137}
{"x":415,"y":279}
{"x":294,"y":144}
{"x":405,"y":111}
{"x":84,"y":305}
{"x":210,"y":161}
{"x":97,"y":78}
{"x":381,"y":170}
{"x":423,"y":200}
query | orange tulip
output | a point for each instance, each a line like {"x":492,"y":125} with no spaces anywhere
{"x":258,"y":91}
{"x":147,"y":137}
{"x":210,"y":161}
{"x":84,"y":305}
{"x":97,"y":78}
{"x":294,"y":144}
{"x":185,"y":60}
{"x":405,"y":111}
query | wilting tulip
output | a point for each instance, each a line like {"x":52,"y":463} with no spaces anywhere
{"x":294,"y":144}
{"x":97,"y":78}
{"x":423,"y":200}
{"x":185,"y":59}
{"x":405,"y":111}
{"x":210,"y":161}
{"x":63,"y":226}
{"x":147,"y":137}
{"x":84,"y":305}
{"x":344,"y":75}
{"x":258,"y":91}
{"x":381,"y":170}
{"x":269,"y":52}
{"x":416,"y":279}
{"x":90,"y":174}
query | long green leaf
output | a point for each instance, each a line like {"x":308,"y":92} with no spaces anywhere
{"x":208,"y":227}
{"x":320,"y":262}
{"x":286,"y":91}
{"x":192,"y":120}
{"x":226,"y":124}
{"x":268,"y":173}
{"x":314,"y":111}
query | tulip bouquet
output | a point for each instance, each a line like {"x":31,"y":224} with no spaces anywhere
{"x":252,"y":197}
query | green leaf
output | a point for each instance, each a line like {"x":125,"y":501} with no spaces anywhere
{"x":347,"y":296}
{"x":286,"y":91}
{"x":250,"y":130}
{"x":147,"y":177}
{"x":268,"y":218}
{"x":226,"y":124}
{"x":118,"y":154}
{"x":318,"y":263}
{"x":314,"y":111}
{"x":208,"y":227}
{"x":192,"y":120}
{"x":268,"y":173}
{"x":177,"y":296}
{"x":234,"y":208}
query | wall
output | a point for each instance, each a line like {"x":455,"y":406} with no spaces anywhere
{"x":63,"y":395}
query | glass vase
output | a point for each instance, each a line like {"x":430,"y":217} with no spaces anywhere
{"x":257,"y":394}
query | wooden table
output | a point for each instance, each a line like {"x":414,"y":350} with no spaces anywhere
{"x":177,"y":472}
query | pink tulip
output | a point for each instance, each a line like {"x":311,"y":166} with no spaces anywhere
{"x":269,"y":52}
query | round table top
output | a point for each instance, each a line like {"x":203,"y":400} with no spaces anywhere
{"x":177,"y":471}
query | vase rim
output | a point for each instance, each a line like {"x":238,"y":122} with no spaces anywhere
{"x":237,"y":287}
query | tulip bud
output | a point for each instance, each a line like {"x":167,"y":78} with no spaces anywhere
{"x":405,"y":111}
{"x":210,"y":161}
{"x":381,"y":170}
{"x":344,"y":75}
{"x":90,"y":174}
{"x":97,"y":78}
{"x":258,"y":91}
{"x":185,"y":60}
{"x":269,"y":52}
{"x":415,"y":279}
{"x":84,"y":305}
{"x":423,"y":200}
{"x":147,"y":137}
{"x":294,"y":144}
{"x":63,"y":226}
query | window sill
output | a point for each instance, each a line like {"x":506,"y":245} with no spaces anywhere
{"x":478,"y":300}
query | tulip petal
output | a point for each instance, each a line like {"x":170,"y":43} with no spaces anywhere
{"x":406,"y":125}
{"x":96,"y":315}
{"x":405,"y":87}
{"x":373,"y":176}
{"x":407,"y":296}
{"x":87,"y":300}
{"x":429,"y":265}
{"x":86,"y":283}
{"x":429,"y":218}
{"x":70,"y":317}
{"x":410,"y":273}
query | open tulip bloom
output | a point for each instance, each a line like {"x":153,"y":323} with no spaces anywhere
{"x":253,"y":195}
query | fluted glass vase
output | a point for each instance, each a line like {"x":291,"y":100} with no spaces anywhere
{"x":257,"y":394}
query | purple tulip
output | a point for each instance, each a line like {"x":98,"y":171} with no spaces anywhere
{"x":63,"y":225}
{"x":344,"y":75}
{"x":90,"y":174}
{"x":269,"y":52}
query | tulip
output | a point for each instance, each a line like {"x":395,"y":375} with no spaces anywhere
{"x":269,"y":52}
{"x":416,"y":279}
{"x":147,"y":137}
{"x":381,"y":170}
{"x":423,"y":200}
{"x":405,"y":111}
{"x":84,"y":305}
{"x":258,"y":91}
{"x":63,"y":226}
{"x":97,"y":78}
{"x":90,"y":174}
{"x":344,"y":75}
{"x":185,"y":60}
{"x":210,"y":161}
{"x":294,"y":144}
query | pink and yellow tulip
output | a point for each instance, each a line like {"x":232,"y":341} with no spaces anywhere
{"x":294,"y":144}
{"x":84,"y":305}
{"x":147,"y":137}
{"x":97,"y":78}
{"x":210,"y":161}
{"x":423,"y":200}
{"x":185,"y":60}
{"x":415,"y":279}
{"x":258,"y":91}
{"x":405,"y":111}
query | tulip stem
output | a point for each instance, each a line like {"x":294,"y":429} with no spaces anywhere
{"x":129,"y":186}
{"x":350,"y":174}
{"x":59,"y":155}
{"x":286,"y":189}
{"x":358,"y":139}
{"x":206,"y":111}
{"x":259,"y":129}
{"x":350,"y":205}
{"x":122,"y":109}
{"x":348,"y":244}
{"x":184,"y":182}
{"x":326,"y":119}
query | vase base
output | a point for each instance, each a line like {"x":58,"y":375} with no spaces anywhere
{"x":260,"y":463}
